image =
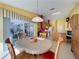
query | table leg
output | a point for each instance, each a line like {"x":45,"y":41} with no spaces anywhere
{"x":37,"y":56}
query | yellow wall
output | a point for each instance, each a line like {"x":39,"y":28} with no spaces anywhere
{"x":35,"y":29}
{"x":75,"y":10}
{"x":1,"y":29}
{"x":54,"y":25}
{"x":59,"y":22}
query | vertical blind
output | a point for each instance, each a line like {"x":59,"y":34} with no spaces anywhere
{"x":11,"y":14}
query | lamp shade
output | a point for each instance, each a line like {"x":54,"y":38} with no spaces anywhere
{"x":37,"y":19}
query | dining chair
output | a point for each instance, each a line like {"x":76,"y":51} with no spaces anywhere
{"x":55,"y":36}
{"x":21,"y":55}
{"x":21,"y":35}
{"x":53,"y":55}
{"x":42,"y":34}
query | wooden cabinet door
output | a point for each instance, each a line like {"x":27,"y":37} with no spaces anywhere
{"x":74,"y":21}
{"x":75,"y":42}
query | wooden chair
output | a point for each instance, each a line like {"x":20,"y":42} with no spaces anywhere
{"x":21,"y":35}
{"x":22,"y":55}
{"x":55,"y":36}
{"x":52,"y":55}
{"x":43,"y":34}
{"x":60,"y":40}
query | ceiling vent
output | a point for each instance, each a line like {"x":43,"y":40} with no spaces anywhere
{"x":52,"y":9}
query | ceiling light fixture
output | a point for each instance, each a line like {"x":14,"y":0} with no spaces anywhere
{"x":37,"y":18}
{"x":52,"y":8}
{"x":56,"y":13}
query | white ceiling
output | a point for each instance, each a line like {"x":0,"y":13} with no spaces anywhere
{"x":44,"y":6}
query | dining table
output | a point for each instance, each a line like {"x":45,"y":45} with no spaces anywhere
{"x":36,"y":48}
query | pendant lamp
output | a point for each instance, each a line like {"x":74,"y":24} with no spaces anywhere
{"x":37,"y":18}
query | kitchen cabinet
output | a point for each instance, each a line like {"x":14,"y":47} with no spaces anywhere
{"x":74,"y":21}
{"x":75,"y":43}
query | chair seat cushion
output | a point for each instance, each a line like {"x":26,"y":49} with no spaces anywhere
{"x":48,"y":55}
{"x":24,"y":55}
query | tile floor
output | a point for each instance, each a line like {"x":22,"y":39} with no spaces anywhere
{"x":64,"y":51}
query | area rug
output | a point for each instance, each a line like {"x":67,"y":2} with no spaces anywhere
{"x":48,"y":55}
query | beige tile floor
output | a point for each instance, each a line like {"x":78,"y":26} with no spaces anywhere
{"x":64,"y":52}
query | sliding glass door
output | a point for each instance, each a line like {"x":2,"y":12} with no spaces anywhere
{"x":29,"y":28}
{"x":6,"y":34}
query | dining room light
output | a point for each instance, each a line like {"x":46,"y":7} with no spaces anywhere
{"x":37,"y":18}
{"x":56,"y":13}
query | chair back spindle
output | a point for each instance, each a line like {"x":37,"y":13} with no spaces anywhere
{"x":10,"y":48}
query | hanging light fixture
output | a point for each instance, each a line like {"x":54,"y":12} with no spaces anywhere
{"x":37,"y":18}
